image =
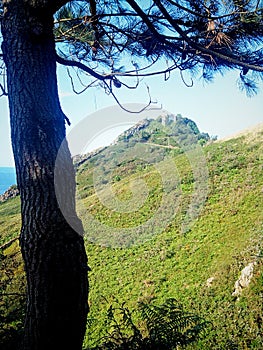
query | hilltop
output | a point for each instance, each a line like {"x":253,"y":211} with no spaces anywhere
{"x":166,"y":130}
{"x":165,"y":127}
{"x":168,"y":213}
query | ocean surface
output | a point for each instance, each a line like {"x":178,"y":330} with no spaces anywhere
{"x":7,"y":178}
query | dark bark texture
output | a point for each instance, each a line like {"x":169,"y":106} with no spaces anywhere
{"x":54,"y":254}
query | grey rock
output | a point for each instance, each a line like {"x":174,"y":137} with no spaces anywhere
{"x":10,"y":193}
{"x":244,"y":279}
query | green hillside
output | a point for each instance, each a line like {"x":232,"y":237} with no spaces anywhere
{"x":193,"y":249}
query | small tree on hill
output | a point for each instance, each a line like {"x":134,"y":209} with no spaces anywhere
{"x":110,"y":41}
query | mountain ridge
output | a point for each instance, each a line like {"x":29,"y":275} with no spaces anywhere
{"x":253,"y":129}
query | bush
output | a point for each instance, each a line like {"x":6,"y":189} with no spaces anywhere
{"x":166,"y":327}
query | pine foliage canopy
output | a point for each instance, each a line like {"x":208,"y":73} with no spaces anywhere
{"x":115,"y":39}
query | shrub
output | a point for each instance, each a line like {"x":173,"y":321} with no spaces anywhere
{"x":166,"y":327}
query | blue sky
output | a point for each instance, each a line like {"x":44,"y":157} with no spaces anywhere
{"x":218,"y":108}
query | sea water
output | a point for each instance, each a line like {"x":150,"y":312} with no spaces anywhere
{"x":7,"y":178}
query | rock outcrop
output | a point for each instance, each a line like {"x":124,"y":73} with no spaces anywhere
{"x":244,"y":279}
{"x":82,"y":158}
{"x":134,"y":129}
{"x":10,"y":193}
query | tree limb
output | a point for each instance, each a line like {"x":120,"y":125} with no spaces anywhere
{"x":7,"y":244}
{"x":232,"y":59}
{"x":82,"y":66}
{"x":4,"y":92}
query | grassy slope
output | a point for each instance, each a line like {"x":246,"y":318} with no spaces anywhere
{"x":221,"y":242}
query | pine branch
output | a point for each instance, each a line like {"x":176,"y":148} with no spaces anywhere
{"x":212,"y":53}
{"x":82,"y":66}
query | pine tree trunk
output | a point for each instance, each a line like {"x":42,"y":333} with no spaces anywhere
{"x":54,"y":254}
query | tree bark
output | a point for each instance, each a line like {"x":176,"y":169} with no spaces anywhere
{"x":53,"y":252}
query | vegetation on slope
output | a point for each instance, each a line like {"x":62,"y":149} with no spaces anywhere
{"x":197,"y":266}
